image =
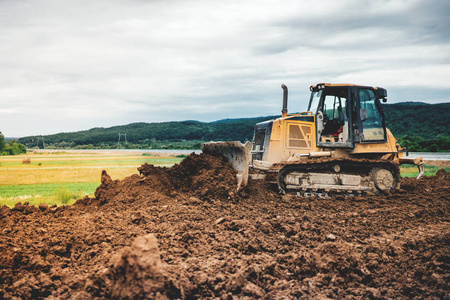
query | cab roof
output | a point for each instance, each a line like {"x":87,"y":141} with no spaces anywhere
{"x":338,"y":85}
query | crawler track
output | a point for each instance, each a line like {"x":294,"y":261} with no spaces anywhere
{"x":343,"y":176}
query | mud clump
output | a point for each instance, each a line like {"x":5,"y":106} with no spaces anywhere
{"x":107,"y":188}
{"x":137,"y":271}
{"x":184,"y":233}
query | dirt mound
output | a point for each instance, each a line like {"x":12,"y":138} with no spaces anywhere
{"x":427,"y":183}
{"x":205,"y":176}
{"x":173,"y":232}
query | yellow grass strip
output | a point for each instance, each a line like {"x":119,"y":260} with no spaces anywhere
{"x":61,"y":175}
{"x":71,"y":158}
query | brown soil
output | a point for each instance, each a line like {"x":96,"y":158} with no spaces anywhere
{"x":438,"y":163}
{"x":184,"y":233}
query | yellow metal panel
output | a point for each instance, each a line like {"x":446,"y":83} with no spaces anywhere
{"x":381,"y":148}
{"x":276,"y":151}
{"x":276,"y":130}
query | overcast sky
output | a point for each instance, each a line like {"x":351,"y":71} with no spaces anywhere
{"x":73,"y":65}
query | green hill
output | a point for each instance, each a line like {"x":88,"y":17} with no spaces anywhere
{"x":411,"y":122}
{"x":418,"y":119}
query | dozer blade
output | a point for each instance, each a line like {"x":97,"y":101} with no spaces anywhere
{"x":238,"y":156}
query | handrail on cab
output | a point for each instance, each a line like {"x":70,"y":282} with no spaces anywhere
{"x":306,"y":113}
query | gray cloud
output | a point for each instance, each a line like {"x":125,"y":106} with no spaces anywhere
{"x":73,"y":65}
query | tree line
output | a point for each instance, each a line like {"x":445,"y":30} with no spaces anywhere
{"x":190,"y":134}
{"x":420,"y":126}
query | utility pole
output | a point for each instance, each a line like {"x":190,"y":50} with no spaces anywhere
{"x":125,"y":139}
{"x":37,"y":142}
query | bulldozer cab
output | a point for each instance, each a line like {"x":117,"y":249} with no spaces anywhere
{"x":346,"y":115}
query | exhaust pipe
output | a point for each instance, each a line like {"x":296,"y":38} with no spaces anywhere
{"x":285,"y":95}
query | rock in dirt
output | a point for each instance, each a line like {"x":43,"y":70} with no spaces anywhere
{"x":136,"y":217}
{"x":331,"y":237}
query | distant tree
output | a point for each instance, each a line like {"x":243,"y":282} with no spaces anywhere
{"x":2,"y":142}
{"x":13,"y":148}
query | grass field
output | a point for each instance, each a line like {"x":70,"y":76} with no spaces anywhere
{"x":412,"y":171}
{"x":62,"y":178}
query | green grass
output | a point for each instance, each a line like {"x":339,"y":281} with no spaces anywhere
{"x":46,"y":189}
{"x":64,"y":195}
{"x":412,"y":171}
{"x":51,"y":193}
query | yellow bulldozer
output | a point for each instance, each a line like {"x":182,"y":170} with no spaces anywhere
{"x":339,"y":145}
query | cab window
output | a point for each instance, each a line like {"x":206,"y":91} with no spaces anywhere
{"x":370,"y":116}
{"x":335,"y":126}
